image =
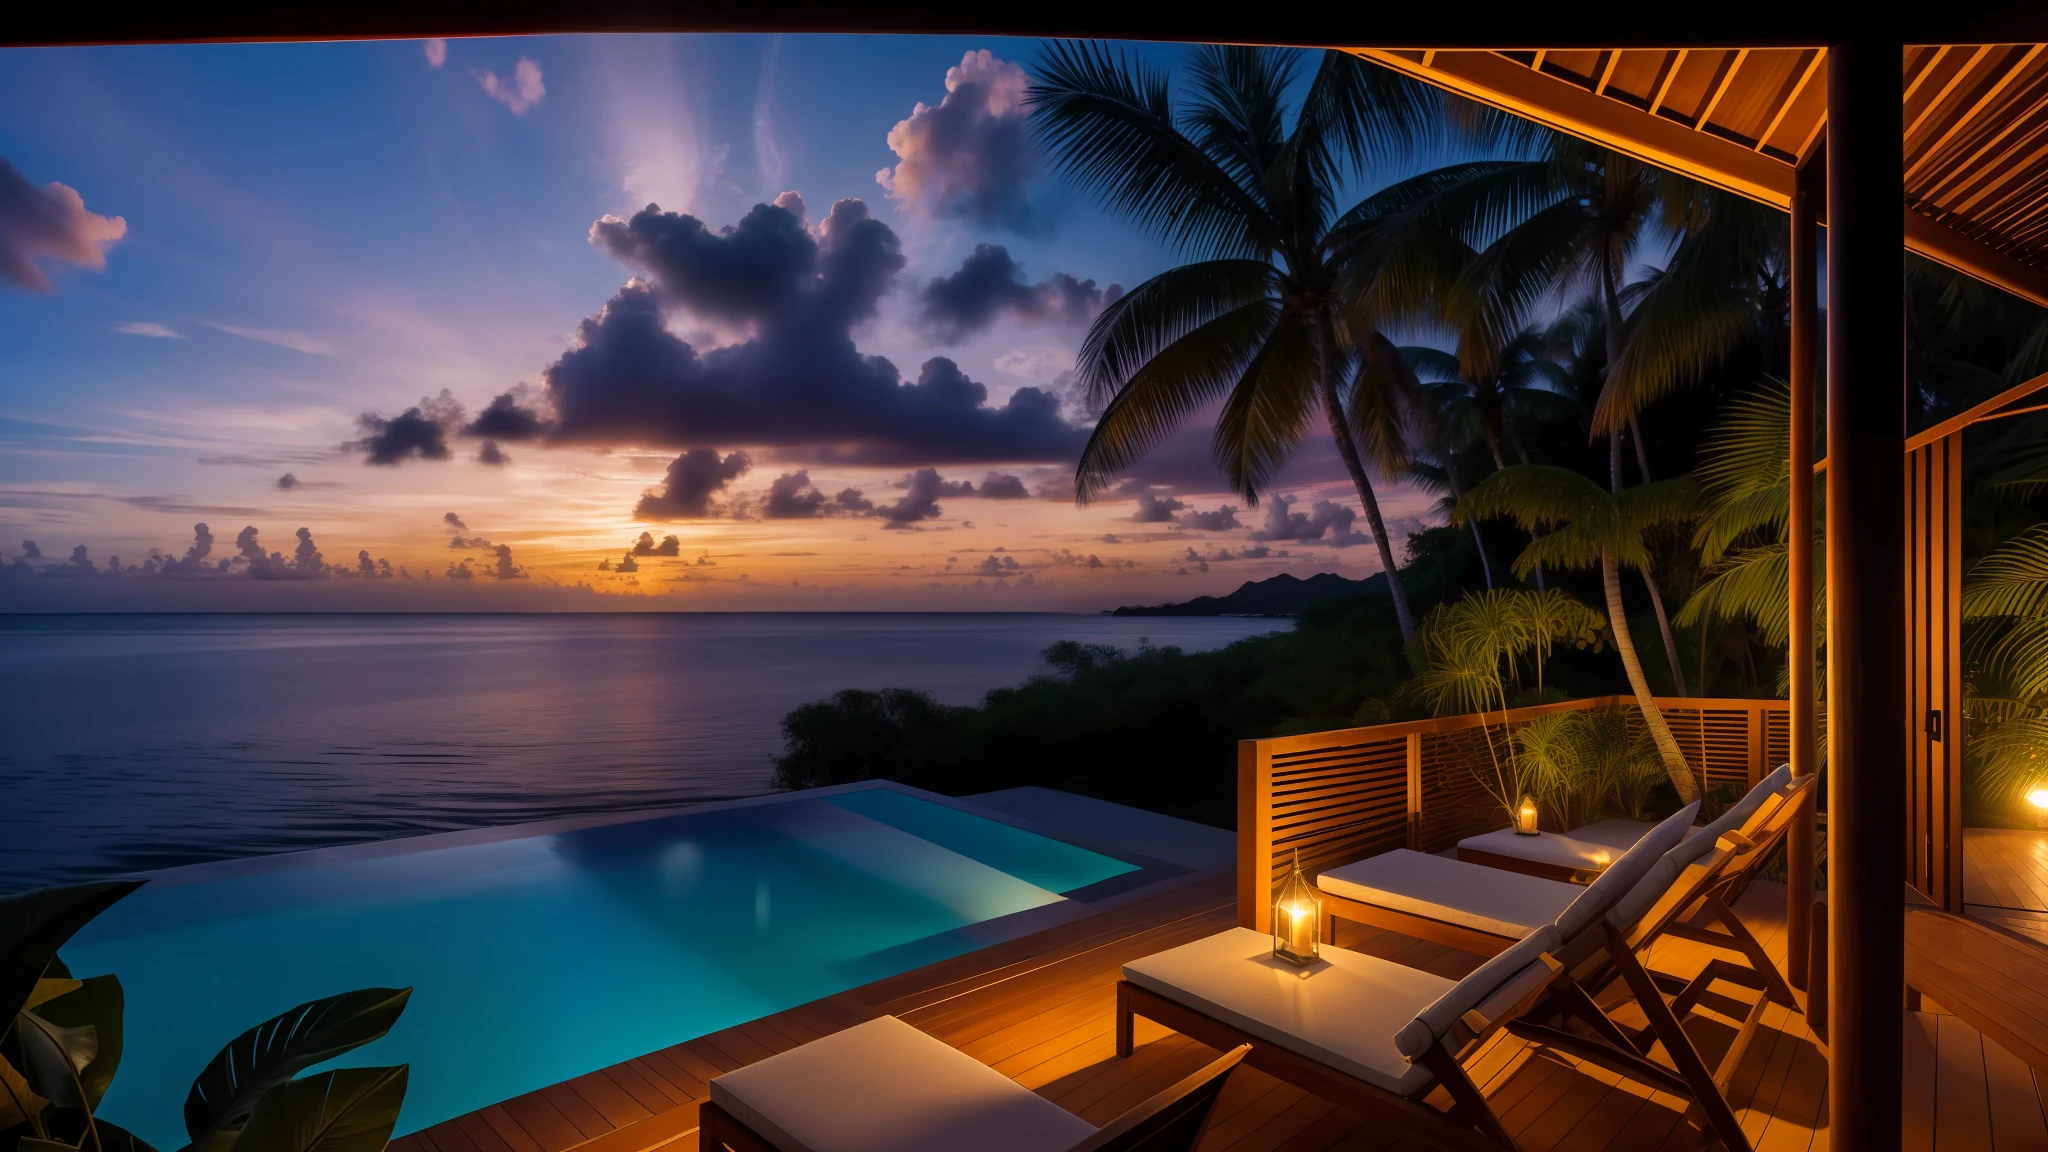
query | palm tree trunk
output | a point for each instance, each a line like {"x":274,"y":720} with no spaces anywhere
{"x":1500,"y":464}
{"x":1664,"y":627}
{"x":1326,"y":341}
{"x":1458,"y":494}
{"x":1635,"y":436}
{"x":1667,"y":747}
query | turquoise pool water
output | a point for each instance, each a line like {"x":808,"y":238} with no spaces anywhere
{"x":535,"y":960}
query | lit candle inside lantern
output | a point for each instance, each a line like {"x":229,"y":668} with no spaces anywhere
{"x":1297,"y":918}
{"x":1298,"y":928}
{"x":1525,"y":816}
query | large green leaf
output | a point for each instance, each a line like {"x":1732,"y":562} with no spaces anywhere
{"x":54,"y":1057}
{"x":346,"y":1110}
{"x":69,"y":1132}
{"x":227,"y":1092}
{"x":97,"y":1004}
{"x":34,"y":925}
{"x":18,"y":1102}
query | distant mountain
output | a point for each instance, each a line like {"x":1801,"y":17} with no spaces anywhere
{"x":1283,"y":595}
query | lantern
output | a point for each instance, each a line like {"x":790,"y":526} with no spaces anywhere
{"x":1525,"y":816}
{"x":1297,"y":918}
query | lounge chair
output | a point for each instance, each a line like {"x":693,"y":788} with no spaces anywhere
{"x":1585,"y":851}
{"x":1481,"y":909}
{"x":884,"y":1086}
{"x":1356,"y":1030}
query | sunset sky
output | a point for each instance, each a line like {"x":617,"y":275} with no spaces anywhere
{"x":493,"y":309}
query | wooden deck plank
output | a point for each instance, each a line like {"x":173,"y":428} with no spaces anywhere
{"x":1962,"y":1103}
{"x":2017,"y":1123}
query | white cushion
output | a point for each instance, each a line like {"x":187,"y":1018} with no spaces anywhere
{"x":1553,"y":848}
{"x":1492,"y":988}
{"x":1697,"y":843}
{"x":1456,"y":892}
{"x":1623,"y":874}
{"x":884,"y":1086}
{"x":1342,"y":1012}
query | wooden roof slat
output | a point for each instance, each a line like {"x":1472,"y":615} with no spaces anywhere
{"x":1722,"y":84}
{"x":1608,"y":60}
{"x":1801,"y":77}
{"x":1667,"y":72}
{"x":1975,"y":181}
{"x":1955,"y":78}
{"x":1963,"y":120}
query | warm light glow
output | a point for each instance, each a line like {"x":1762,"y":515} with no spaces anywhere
{"x":1525,"y":816}
{"x":2038,"y":798}
{"x":1297,"y":918}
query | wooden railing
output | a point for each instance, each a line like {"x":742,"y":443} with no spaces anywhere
{"x":1350,"y":793}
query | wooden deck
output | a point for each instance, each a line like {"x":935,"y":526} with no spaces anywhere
{"x":2005,"y":878}
{"x":1039,"y":1010}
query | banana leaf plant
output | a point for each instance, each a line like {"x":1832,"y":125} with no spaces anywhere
{"x":60,"y":1043}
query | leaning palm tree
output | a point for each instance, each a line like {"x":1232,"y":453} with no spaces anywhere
{"x":1262,"y":320}
{"x":1593,"y":527}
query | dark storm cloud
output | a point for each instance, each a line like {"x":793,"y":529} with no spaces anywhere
{"x":420,"y":432}
{"x":989,"y":285}
{"x":645,"y":546}
{"x":454,"y":521}
{"x":48,"y":223}
{"x":972,"y":155}
{"x":504,"y":569}
{"x":1222,"y":519}
{"x":694,"y":479}
{"x":796,"y":380}
{"x":492,"y":455}
{"x":29,"y":551}
{"x":920,"y":500}
{"x":510,"y":417}
{"x":287,"y":482}
{"x":997,"y":486}
{"x":305,"y":562}
{"x":194,"y":561}
{"x":1326,"y":520}
{"x":792,"y":497}
{"x":1155,"y":508}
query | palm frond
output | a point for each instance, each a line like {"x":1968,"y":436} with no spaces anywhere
{"x":1356,"y":111}
{"x":1744,"y":471}
{"x":1267,"y":412}
{"x":1238,"y":114}
{"x":1139,"y":324}
{"x":2012,"y":580}
{"x":1108,"y":121}
{"x":1384,"y":404}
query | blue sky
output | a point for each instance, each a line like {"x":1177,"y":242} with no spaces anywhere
{"x":313,"y":232}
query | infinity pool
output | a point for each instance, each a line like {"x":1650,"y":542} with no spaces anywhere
{"x":538,"y":958}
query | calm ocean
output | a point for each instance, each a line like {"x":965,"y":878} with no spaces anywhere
{"x":137,"y":742}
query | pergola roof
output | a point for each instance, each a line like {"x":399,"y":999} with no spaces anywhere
{"x":1975,"y":129}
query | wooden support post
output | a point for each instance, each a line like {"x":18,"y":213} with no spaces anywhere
{"x":1254,"y":836}
{"x":1415,"y":791}
{"x":1867,"y":732}
{"x":1805,"y":317}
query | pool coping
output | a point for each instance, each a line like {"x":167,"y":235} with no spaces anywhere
{"x":1150,"y":875}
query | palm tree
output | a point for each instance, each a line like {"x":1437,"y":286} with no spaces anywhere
{"x":1263,"y":318}
{"x":1602,"y":206}
{"x":1592,"y":527}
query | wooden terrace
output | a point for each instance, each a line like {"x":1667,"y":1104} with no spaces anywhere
{"x":1039,"y":1010}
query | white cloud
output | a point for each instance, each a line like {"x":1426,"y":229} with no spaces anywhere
{"x":148,"y":328}
{"x":521,"y":92}
{"x":436,"y":50}
{"x":282,"y":337}
{"x":1036,"y":363}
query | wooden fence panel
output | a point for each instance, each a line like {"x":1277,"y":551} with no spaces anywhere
{"x":1343,"y":795}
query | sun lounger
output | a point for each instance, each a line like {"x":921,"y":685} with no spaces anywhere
{"x":1359,"y":1031}
{"x":1587,"y":850}
{"x":1481,"y":909}
{"x":884,"y":1086}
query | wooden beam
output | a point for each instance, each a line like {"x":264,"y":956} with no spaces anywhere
{"x":1867,"y":732}
{"x":1801,"y":652}
{"x":1496,"y":80}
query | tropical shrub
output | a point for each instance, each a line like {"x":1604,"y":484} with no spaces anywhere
{"x":62,"y":1044}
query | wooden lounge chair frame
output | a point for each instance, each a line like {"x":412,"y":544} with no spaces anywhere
{"x":1473,"y":940}
{"x":1703,"y":888}
{"x":1167,"y":1122}
{"x":1471,"y":1125}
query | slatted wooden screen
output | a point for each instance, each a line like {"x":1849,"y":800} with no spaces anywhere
{"x":1343,"y":795}
{"x":1933,"y":728}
